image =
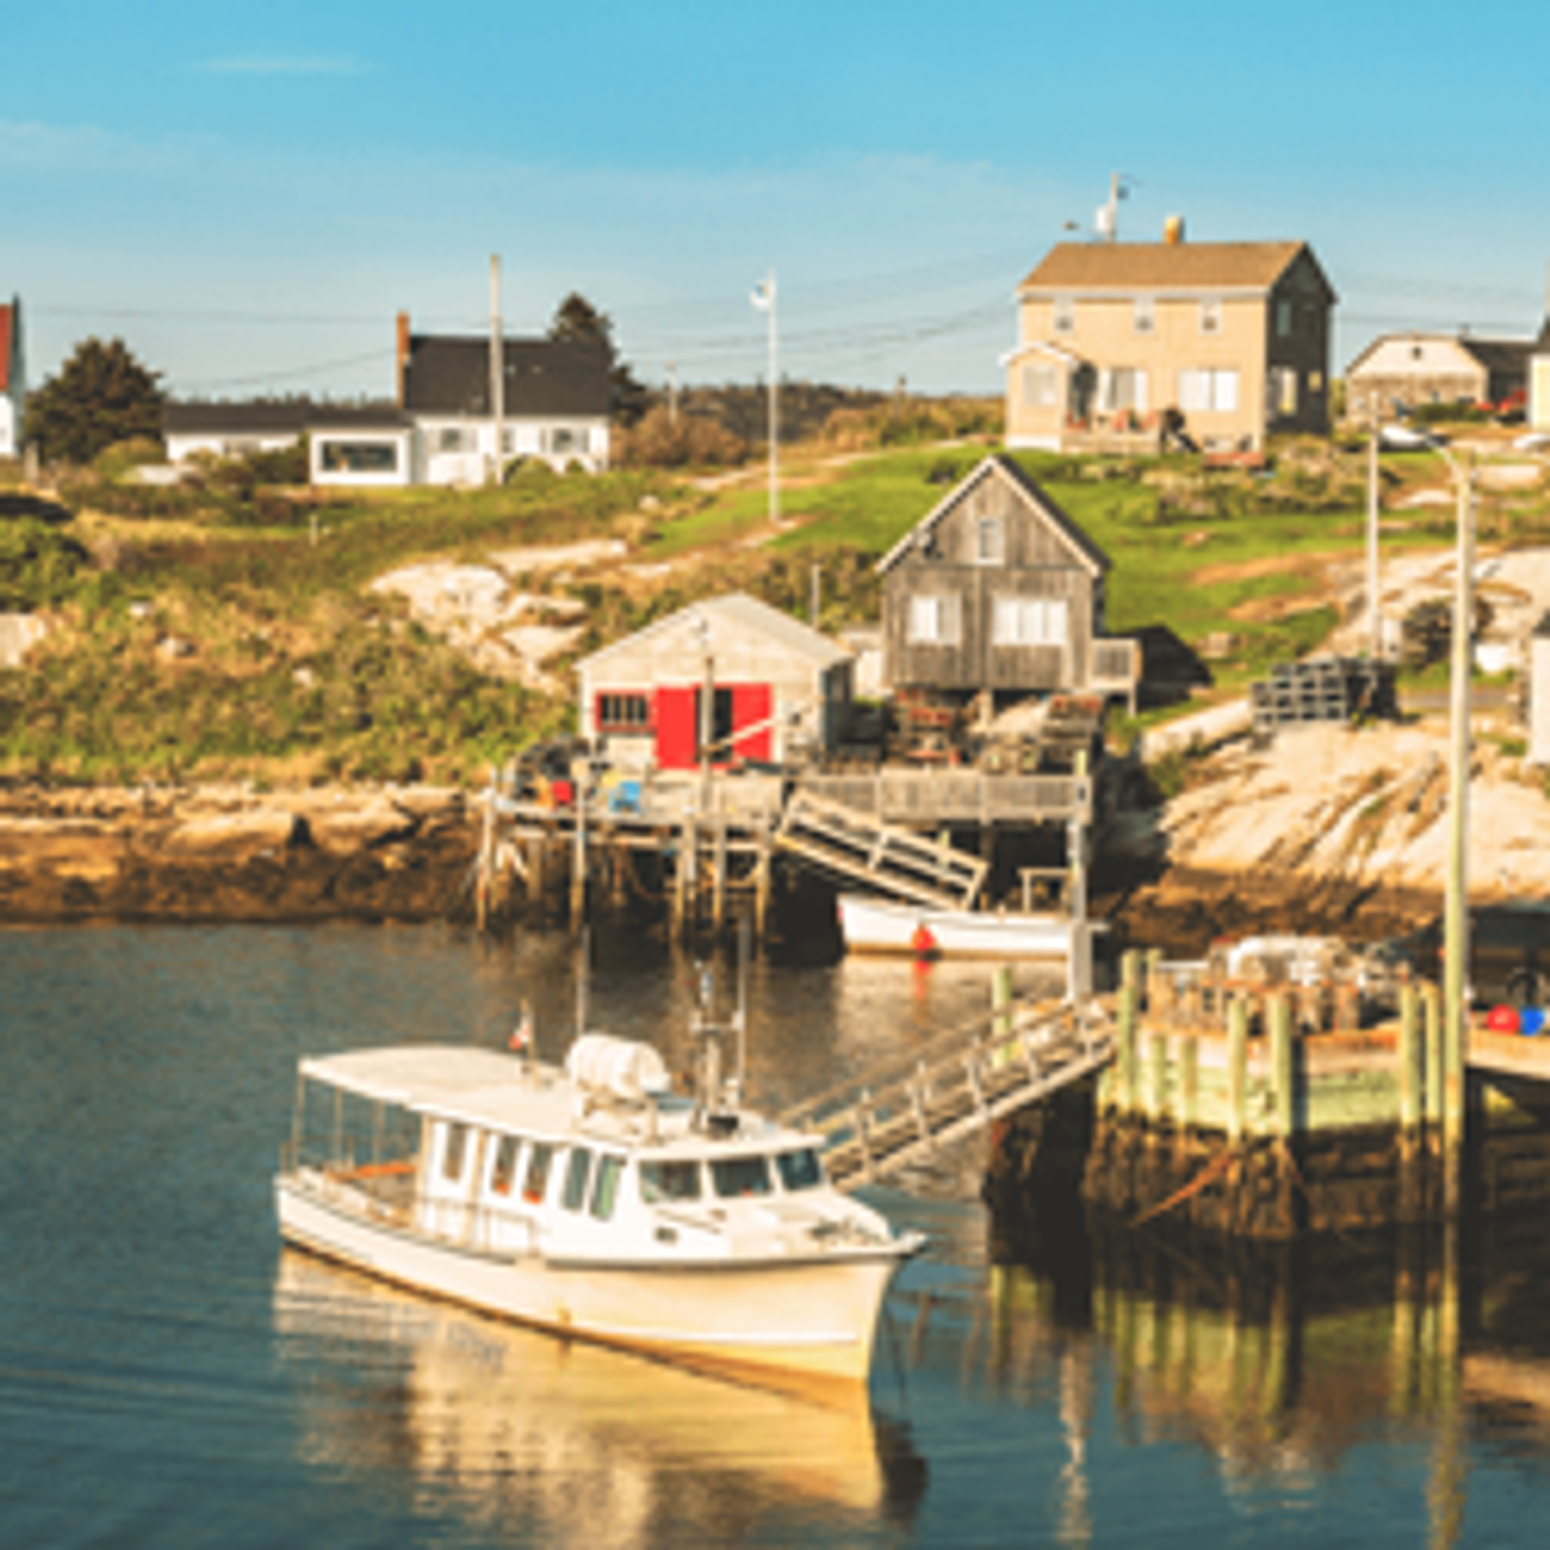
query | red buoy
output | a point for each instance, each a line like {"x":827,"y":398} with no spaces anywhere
{"x":922,"y":943}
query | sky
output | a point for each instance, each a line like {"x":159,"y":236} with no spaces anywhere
{"x":248,"y":191}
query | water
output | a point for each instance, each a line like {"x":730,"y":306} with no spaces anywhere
{"x":169,"y":1376}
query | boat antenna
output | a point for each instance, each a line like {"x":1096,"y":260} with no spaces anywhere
{"x":740,"y":1017}
{"x":583,"y":976}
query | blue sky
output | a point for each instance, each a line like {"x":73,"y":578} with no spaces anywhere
{"x":248,"y":192}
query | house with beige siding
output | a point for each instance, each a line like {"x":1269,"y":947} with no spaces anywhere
{"x":1228,"y":341}
{"x":1402,"y":371}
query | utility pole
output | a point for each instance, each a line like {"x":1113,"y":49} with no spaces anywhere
{"x":1456,"y":903}
{"x":764,"y":300}
{"x":1374,"y":614}
{"x":497,"y":372}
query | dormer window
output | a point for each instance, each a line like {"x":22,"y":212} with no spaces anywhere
{"x":1145,"y":315}
{"x":1211,"y":315}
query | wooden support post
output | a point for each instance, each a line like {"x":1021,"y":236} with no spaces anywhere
{"x":718,"y":881}
{"x":1412,"y":1078}
{"x":1157,"y":1071}
{"x":1125,"y":1050}
{"x":1431,"y":1006}
{"x":1001,"y":999}
{"x":683,"y":878}
{"x":1283,"y":1070}
{"x":1188,"y":1105}
{"x":1153,"y":980}
{"x":763,"y":870}
{"x":1237,"y":1071}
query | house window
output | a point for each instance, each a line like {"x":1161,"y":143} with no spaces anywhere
{"x":624,"y":713}
{"x":990,"y":541}
{"x":565,"y":439}
{"x":450,"y":439}
{"x":453,"y":1154}
{"x":1281,"y":390}
{"x":1124,"y":387}
{"x":934,"y":621}
{"x":1207,"y":390}
{"x":1283,"y":320}
{"x":1065,"y":315}
{"x":508,"y":440}
{"x":1211,"y":316}
{"x":1030,"y":621}
{"x":1040,"y":386}
{"x":359,"y":457}
{"x":1145,"y":315}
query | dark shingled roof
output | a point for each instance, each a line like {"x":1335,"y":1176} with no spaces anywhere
{"x":447,"y":375}
{"x":1163,"y":265}
{"x":1501,"y":357}
{"x":275,"y":418}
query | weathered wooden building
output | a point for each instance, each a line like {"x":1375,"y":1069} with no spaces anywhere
{"x":996,"y":588}
{"x":780,"y":690}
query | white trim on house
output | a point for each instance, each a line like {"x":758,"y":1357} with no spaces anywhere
{"x":347,"y":455}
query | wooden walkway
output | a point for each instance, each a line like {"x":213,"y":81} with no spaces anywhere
{"x":864,"y":849}
{"x":895,"y":1116}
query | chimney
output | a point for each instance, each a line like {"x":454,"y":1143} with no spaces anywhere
{"x":1173,"y":230}
{"x":402,"y":354}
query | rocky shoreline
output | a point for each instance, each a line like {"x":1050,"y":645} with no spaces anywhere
{"x":232,"y":853}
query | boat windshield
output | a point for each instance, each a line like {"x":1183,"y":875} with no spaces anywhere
{"x":799,"y":1170}
{"x":668,"y":1181}
{"x":734,"y":1176}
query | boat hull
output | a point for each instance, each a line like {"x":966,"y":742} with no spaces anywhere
{"x":878,"y":926}
{"x":809,"y":1317}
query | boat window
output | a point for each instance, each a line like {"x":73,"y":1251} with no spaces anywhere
{"x":799,"y":1170}
{"x":735,"y":1176}
{"x":661,"y":1181}
{"x":576,"y":1178}
{"x":454,"y":1151}
{"x":605,"y":1190}
{"x":539,"y":1161}
{"x":505,"y":1168}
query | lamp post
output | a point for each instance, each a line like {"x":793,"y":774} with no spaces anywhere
{"x":1455,"y":968}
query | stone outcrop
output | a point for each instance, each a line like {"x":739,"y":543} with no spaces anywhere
{"x":228,"y":853}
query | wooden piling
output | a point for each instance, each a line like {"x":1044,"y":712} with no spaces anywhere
{"x":1237,"y":1071}
{"x":1125,"y":1085}
{"x":578,"y":867}
{"x":718,"y":879}
{"x":763,"y":872}
{"x":1283,"y":1085}
{"x":1001,"y":999}
{"x":1189,"y":1084}
{"x":1431,"y":1005}
{"x":1455,"y":1023}
{"x":1157,"y":1072}
{"x":1412,"y":1079}
{"x":683,"y":875}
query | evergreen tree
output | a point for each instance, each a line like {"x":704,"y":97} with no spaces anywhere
{"x":102,"y":395}
{"x":576,"y":318}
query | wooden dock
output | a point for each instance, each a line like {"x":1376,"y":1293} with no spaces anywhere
{"x":1268,"y":1112}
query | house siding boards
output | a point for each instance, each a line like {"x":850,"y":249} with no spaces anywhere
{"x":1042,"y":558}
{"x":1114,"y":334}
{"x":764,"y":664}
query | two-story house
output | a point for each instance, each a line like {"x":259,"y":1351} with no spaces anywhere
{"x":997,"y":589}
{"x":1228,"y":341}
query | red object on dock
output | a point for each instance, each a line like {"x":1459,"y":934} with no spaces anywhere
{"x":922,"y":942}
{"x":1502,"y":1019}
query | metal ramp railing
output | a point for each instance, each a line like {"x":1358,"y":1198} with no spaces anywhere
{"x":884,"y":857}
{"x":892,"y":1117}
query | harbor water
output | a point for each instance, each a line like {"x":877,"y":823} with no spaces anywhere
{"x":170,"y":1376}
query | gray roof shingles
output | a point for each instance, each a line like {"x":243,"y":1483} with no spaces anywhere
{"x":447,"y":375}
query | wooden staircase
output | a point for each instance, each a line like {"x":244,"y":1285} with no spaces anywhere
{"x":893,"y":1117}
{"x":883,"y":857}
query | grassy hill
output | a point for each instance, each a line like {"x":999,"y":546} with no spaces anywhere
{"x":228,"y":630}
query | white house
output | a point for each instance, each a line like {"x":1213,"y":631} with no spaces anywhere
{"x":556,"y":399}
{"x":13,"y":379}
{"x":1405,"y":370}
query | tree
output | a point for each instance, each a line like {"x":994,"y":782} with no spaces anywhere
{"x":576,"y":318}
{"x":102,"y":395}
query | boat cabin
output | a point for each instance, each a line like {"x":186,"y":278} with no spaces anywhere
{"x":500,"y":1154}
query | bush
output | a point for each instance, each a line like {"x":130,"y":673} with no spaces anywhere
{"x":663,"y":440}
{"x":38,"y":565}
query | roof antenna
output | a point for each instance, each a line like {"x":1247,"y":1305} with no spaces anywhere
{"x":1106,"y":221}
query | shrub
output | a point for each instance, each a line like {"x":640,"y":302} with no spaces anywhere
{"x":38,"y":565}
{"x":663,"y":440}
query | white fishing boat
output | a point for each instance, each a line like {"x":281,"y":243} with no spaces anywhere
{"x":590,"y":1200}
{"x":871,"y":925}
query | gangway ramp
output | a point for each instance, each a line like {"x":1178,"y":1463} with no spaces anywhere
{"x":896,"y":1115}
{"x":884,"y":857}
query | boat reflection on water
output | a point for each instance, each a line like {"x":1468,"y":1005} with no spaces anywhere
{"x":576,"y":1443}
